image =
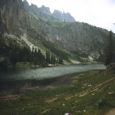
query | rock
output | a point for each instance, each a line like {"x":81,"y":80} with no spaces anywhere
{"x":84,"y":111}
{"x":110,"y":93}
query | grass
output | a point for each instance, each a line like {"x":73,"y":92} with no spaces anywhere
{"x":89,"y":93}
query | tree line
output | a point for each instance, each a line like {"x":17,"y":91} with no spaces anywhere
{"x":11,"y":54}
{"x":110,"y":49}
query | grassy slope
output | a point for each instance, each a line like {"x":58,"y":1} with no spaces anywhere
{"x":89,"y":93}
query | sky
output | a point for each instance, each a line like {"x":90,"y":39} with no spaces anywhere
{"x":100,"y":13}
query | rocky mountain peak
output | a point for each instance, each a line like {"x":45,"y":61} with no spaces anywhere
{"x":63,"y":16}
{"x":45,"y":9}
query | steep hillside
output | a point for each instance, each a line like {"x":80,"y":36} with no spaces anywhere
{"x":55,"y":35}
{"x":13,"y":17}
{"x":21,"y":36}
{"x":80,"y":38}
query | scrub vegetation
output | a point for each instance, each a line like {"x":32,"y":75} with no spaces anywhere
{"x":86,"y":94}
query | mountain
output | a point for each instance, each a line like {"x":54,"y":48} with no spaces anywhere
{"x":45,"y":14}
{"x":63,"y":16}
{"x":80,"y":38}
{"x":29,"y":31}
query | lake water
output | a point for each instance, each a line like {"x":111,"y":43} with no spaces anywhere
{"x":49,"y":72}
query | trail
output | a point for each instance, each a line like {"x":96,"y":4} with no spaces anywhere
{"x":111,"y":112}
{"x":91,"y":90}
{"x":103,"y":83}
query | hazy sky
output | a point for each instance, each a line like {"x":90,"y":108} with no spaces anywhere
{"x":100,"y":13}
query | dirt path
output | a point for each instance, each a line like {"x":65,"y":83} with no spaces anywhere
{"x":101,"y":84}
{"x":94,"y":89}
{"x":111,"y":112}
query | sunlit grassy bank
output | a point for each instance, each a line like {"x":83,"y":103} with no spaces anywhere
{"x":91,"y":93}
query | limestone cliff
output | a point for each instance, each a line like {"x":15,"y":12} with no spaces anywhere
{"x":12,"y":16}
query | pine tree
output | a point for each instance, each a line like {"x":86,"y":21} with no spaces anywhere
{"x":60,"y":61}
{"x":48,"y":57}
{"x":41,"y":58}
{"x":53,"y":59}
{"x":109,"y":50}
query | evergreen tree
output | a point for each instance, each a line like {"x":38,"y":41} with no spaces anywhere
{"x":35,"y":58}
{"x":53,"y":59}
{"x":109,"y":50}
{"x":60,"y":61}
{"x":41,"y":58}
{"x":48,"y":57}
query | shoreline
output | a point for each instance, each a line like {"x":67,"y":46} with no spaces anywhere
{"x":16,"y":86}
